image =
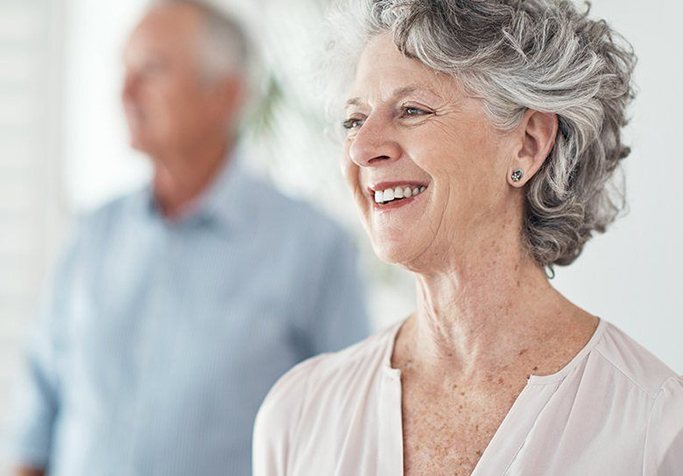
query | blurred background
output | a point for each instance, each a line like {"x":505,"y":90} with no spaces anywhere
{"x":64,"y":151}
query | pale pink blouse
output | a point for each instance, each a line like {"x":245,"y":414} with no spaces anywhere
{"x":613,"y":410}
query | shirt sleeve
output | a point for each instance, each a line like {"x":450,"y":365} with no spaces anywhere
{"x":664,"y":441}
{"x":36,"y":396}
{"x":339,"y":314}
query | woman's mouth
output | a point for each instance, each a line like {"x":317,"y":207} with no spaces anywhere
{"x":396,"y":194}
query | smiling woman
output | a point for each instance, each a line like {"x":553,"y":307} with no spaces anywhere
{"x":480,"y":139}
{"x":455,"y":155}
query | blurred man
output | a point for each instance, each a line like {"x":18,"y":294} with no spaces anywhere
{"x":176,"y":308}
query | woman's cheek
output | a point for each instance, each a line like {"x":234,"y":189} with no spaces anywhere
{"x":350,"y":171}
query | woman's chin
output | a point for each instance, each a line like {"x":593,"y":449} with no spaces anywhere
{"x":394,"y":251}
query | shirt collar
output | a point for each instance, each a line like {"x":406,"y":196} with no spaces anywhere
{"x":225,"y":201}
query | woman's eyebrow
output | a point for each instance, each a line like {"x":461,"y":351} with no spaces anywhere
{"x":398,"y":93}
{"x":404,"y":91}
{"x":413,"y":88}
{"x":353,"y":102}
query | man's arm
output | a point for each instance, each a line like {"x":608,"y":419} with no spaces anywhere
{"x":35,"y":405}
{"x":37,"y":393}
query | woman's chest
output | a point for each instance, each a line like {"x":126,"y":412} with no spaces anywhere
{"x":448,"y":434}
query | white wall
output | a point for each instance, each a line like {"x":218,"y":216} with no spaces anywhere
{"x":633,"y":275}
{"x":31,"y":209}
{"x":98,"y":162}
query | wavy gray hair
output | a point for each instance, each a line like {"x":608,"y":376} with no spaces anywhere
{"x":544,"y":55}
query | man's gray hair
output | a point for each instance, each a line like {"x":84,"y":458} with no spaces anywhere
{"x":224,"y":47}
{"x":515,"y":55}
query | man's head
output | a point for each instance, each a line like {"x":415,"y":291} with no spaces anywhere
{"x":186,"y":77}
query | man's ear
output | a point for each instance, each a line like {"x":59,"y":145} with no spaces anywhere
{"x":228,"y":96}
{"x":536,"y":135}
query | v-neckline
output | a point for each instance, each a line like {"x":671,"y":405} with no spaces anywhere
{"x":501,"y":449}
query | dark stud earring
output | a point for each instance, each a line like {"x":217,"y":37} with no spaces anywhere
{"x":517,"y":175}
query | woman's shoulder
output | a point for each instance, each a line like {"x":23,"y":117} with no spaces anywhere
{"x":356,"y":361}
{"x":634,"y":362}
{"x":664,"y":437}
{"x":321,"y":382}
{"x":662,"y":412}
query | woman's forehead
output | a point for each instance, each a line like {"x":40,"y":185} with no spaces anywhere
{"x":382,"y":69}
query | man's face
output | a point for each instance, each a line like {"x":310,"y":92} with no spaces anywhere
{"x":167,"y":105}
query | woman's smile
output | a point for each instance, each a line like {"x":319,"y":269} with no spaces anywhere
{"x":387,"y":196}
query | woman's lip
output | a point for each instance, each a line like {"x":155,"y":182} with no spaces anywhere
{"x":382,"y":186}
{"x":397,"y":203}
{"x":394,"y":203}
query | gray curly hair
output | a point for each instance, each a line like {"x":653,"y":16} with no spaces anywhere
{"x":516,"y":55}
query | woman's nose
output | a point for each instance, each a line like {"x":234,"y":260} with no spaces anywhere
{"x":374,"y":143}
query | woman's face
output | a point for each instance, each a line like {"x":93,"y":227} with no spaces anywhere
{"x":428,"y":170}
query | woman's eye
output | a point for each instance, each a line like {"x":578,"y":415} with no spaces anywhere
{"x":411,"y":111}
{"x":352,"y":123}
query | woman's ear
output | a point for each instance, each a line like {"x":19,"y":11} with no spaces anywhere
{"x":536,"y":133}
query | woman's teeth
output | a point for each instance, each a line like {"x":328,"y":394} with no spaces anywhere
{"x":396,"y":193}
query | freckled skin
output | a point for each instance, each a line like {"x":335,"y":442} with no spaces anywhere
{"x":448,"y":425}
{"x":487,"y":318}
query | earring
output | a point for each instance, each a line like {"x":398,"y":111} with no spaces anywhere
{"x":517,"y":175}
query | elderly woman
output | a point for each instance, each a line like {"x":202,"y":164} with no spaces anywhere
{"x":480,"y":139}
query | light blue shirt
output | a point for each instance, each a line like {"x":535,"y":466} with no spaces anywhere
{"x":162,"y":339}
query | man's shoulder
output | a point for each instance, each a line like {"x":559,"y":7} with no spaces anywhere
{"x":115,"y":208}
{"x":99,"y":224}
{"x":295,"y":214}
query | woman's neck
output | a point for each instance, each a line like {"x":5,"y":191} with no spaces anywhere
{"x":477,"y":318}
